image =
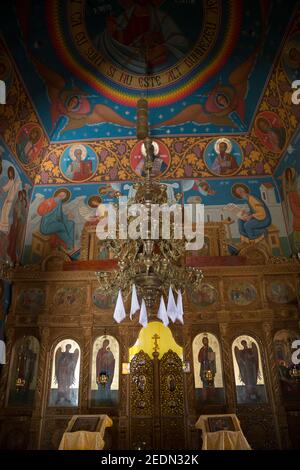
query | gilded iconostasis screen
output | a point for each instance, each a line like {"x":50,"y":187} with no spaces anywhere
{"x":24,"y":372}
{"x":64,"y":389}
{"x":208,"y":373}
{"x":248,"y":371}
{"x":105,"y":372}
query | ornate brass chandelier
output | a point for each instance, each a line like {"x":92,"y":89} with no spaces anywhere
{"x":150,"y":267}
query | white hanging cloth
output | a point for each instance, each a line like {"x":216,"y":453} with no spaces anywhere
{"x":119,"y":313}
{"x":179,"y":307}
{"x":171,"y":308}
{"x":143,"y":320}
{"x":162,"y":312}
{"x":135,"y":306}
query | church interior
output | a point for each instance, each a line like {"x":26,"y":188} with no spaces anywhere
{"x":150,"y":103}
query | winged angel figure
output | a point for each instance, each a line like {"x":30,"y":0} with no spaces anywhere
{"x":248,"y":362}
{"x":65,"y":365}
{"x":75,"y":104}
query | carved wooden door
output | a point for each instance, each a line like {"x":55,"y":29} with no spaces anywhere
{"x":156,"y":402}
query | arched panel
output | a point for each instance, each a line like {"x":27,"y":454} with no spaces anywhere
{"x":24,"y":371}
{"x":105,"y":371}
{"x":65,"y":370}
{"x":208,"y":374}
{"x":248,"y":370}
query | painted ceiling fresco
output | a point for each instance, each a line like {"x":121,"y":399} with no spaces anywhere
{"x":203,"y":65}
{"x":217,"y":76}
{"x":218,"y":79}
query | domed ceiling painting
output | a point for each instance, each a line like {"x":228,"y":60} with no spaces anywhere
{"x":217,"y":76}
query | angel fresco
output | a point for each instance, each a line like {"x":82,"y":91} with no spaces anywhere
{"x":201,"y":186}
{"x":65,"y":364}
{"x":74,"y":104}
{"x":248,"y":368}
{"x":90,"y":212}
{"x":221,"y":100}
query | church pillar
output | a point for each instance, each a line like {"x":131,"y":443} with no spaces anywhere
{"x":275,"y":388}
{"x":229,"y":380}
{"x":85,"y":370}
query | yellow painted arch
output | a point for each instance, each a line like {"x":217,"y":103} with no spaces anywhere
{"x":165,"y":342}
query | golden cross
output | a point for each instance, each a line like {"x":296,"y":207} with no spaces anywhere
{"x":155,"y":338}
